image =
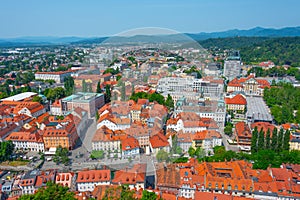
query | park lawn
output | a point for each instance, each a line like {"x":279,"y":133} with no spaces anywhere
{"x":15,"y":163}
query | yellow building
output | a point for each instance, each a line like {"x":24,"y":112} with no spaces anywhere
{"x":65,"y":138}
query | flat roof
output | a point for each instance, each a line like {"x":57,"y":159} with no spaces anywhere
{"x":257,"y":109}
{"x":19,"y":97}
{"x":82,"y":97}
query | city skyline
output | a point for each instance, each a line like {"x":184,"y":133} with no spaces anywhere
{"x":93,"y":19}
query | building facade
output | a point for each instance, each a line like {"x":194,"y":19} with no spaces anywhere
{"x":58,"y":77}
{"x":87,"y":101}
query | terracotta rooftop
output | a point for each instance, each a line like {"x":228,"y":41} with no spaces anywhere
{"x":263,"y":125}
{"x":104,"y":134}
{"x":25,"y":137}
{"x":237,"y":100}
{"x":242,"y":130}
{"x":137,"y":174}
{"x":130,"y":143}
{"x":206,"y":134}
{"x":93,"y":176}
{"x":159,"y":140}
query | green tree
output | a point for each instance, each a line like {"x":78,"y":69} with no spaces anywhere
{"x":264,"y":159}
{"x":98,"y":90}
{"x":69,"y":85}
{"x":169,"y":102}
{"x":280,"y":140}
{"x":268,"y":139}
{"x":148,"y":195}
{"x":199,"y":153}
{"x":274,"y":142}
{"x":191,"y":152}
{"x":162,"y":155}
{"x":254,"y":141}
{"x":51,"y":191}
{"x":84,"y":86}
{"x":118,"y":77}
{"x":228,"y":129}
{"x":56,"y":93}
{"x":175,"y":148}
{"x":107,"y":93}
{"x":37,"y":99}
{"x":6,"y":150}
{"x":286,"y":140}
{"x":261,"y":140}
{"x":90,"y":89}
{"x":61,"y":156}
{"x":97,"y":115}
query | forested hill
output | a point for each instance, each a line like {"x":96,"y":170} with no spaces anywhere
{"x":281,"y":50}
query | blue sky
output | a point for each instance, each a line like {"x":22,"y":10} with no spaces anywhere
{"x":102,"y":18}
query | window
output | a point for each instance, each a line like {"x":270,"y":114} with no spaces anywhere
{"x":229,"y":187}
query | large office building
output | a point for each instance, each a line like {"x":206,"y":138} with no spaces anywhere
{"x":90,"y":102}
{"x":190,"y":87}
{"x":232,"y":66}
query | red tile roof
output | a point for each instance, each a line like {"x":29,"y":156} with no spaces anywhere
{"x":93,"y":176}
{"x":206,"y":134}
{"x":263,"y":125}
{"x":25,"y":137}
{"x":242,"y":130}
{"x":159,"y":140}
{"x":237,"y":100}
{"x":104,"y":134}
{"x":129,"y":143}
{"x":137,"y":174}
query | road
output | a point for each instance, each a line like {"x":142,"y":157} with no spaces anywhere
{"x":225,"y":143}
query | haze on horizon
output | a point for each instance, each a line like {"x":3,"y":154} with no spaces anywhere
{"x":105,"y":18}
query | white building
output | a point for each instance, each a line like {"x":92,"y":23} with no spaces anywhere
{"x":27,"y":141}
{"x":56,"y":108}
{"x":190,"y":87}
{"x":87,"y":180}
{"x":130,"y":147}
{"x":58,"y":77}
{"x":114,"y":123}
{"x":186,"y":126}
{"x":108,"y":140}
{"x":184,"y":141}
{"x":159,"y":142}
{"x":207,"y":140}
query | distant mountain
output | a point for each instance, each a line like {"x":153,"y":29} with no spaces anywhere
{"x":44,"y":40}
{"x":254,"y":32}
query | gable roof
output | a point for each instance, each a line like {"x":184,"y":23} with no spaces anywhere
{"x":137,"y":174}
{"x":237,"y":100}
{"x":93,"y":176}
{"x":159,"y":140}
{"x":242,"y":130}
{"x":207,"y":134}
{"x":25,"y":137}
{"x":130,"y":143}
